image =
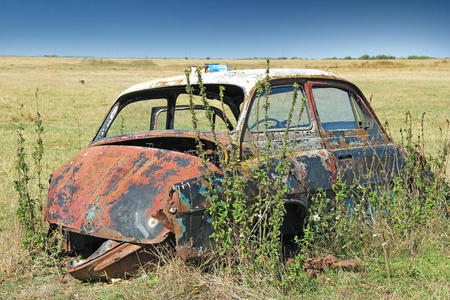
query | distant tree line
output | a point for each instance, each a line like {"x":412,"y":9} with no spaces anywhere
{"x":362,"y":57}
{"x":381,"y":56}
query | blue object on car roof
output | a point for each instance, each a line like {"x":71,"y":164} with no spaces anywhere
{"x":215,"y":67}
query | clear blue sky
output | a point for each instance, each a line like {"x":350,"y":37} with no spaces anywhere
{"x":228,"y":29}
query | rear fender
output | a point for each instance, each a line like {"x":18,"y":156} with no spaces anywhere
{"x":186,"y":209}
{"x":116,"y":192}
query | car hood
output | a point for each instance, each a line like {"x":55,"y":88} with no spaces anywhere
{"x":115,"y":192}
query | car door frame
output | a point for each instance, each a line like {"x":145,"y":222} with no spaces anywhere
{"x":362,"y":154}
{"x":312,"y":165}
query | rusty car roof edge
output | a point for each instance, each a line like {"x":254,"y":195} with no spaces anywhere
{"x":246,"y":79}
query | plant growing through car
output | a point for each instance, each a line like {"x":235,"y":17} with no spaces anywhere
{"x":351,"y":221}
{"x":240,"y":223}
{"x":358,"y":219}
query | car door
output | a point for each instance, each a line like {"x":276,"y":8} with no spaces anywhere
{"x":363,"y":152}
{"x":312,"y":166}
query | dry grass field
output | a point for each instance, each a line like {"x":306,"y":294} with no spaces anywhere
{"x":72,"y":112}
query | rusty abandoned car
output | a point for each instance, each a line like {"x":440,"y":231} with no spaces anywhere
{"x":138,"y":182}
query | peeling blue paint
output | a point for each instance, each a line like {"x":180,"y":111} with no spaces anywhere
{"x":180,"y":221}
{"x":90,"y":215}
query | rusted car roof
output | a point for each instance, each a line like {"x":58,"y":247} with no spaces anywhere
{"x":246,"y":79}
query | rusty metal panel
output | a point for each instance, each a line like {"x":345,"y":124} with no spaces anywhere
{"x":113,"y":260}
{"x":186,"y":208}
{"x":115,"y":192}
{"x":222,"y":138}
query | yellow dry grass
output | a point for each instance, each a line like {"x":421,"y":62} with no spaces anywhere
{"x":72,"y":111}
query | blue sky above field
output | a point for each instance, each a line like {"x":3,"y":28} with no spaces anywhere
{"x":227,"y":29}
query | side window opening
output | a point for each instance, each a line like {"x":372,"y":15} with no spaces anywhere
{"x":280,"y":100}
{"x":335,"y":108}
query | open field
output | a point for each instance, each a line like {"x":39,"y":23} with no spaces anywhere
{"x":72,"y":112}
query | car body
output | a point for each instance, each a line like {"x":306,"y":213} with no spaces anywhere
{"x":141,"y":180}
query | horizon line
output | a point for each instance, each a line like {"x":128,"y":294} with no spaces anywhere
{"x":367,"y":57}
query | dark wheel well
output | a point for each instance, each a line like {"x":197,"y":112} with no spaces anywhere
{"x":81,"y":244}
{"x":292,"y":227}
{"x":293,"y":219}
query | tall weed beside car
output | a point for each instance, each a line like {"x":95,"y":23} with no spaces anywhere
{"x":31,"y":191}
{"x":28,"y":184}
